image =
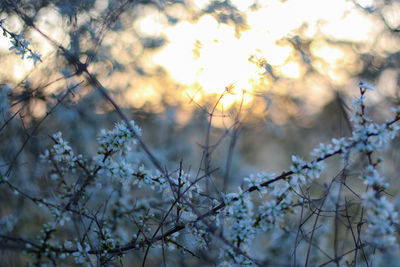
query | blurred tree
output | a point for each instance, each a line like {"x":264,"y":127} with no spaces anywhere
{"x":94,"y":46}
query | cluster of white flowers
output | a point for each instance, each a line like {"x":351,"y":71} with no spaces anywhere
{"x":118,"y":139}
{"x":304,"y":172}
{"x":239,"y":216}
{"x":198,"y":233}
{"x":241,"y":212}
{"x":367,"y":137}
{"x":340,"y":145}
{"x":370,"y":137}
{"x":272,"y":212}
{"x":61,"y":152}
{"x":381,"y":218}
{"x":144,"y":177}
{"x":20,"y":45}
{"x":111,"y":154}
{"x":257,"y":180}
{"x":373,"y":178}
{"x":107,"y":241}
{"x":112,"y":203}
{"x":82,"y":256}
{"x":120,"y":169}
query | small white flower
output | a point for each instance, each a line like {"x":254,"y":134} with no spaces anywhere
{"x":81,"y":255}
{"x":340,"y":144}
{"x":314,"y":169}
{"x":253,"y":181}
{"x":322,"y":150}
{"x":372,"y":177}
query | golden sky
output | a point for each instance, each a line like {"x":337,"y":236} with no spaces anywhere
{"x":209,"y":54}
{"x":204,"y":57}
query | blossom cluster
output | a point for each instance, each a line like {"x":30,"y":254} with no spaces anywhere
{"x":243,"y":222}
{"x":112,"y":148}
{"x":81,"y":255}
{"x":118,"y":139}
{"x":137,"y":203}
{"x":304,"y":172}
{"x":382,"y":219}
{"x":366,"y":138}
{"x":240,"y":212}
{"x":371,"y":137}
{"x":61,"y":153}
{"x":20,"y":45}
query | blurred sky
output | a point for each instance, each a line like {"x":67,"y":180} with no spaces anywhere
{"x":203,"y":57}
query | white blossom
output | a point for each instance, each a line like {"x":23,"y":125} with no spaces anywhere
{"x":20,"y":45}
{"x":118,"y":139}
{"x":381,"y":218}
{"x":322,"y":150}
{"x":299,"y":172}
{"x":81,"y":255}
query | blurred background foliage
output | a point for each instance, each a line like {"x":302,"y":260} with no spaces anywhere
{"x":281,"y":75}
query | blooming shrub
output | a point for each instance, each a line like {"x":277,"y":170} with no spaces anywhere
{"x":101,"y":207}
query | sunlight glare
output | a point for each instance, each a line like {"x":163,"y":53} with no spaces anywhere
{"x":291,"y":70}
{"x":329,"y":53}
{"x":223,"y":58}
{"x":242,"y":5}
{"x":200,"y":4}
{"x":209,"y":54}
{"x":355,"y":26}
{"x":21,"y":68}
{"x":153,"y":23}
{"x":139,"y":97}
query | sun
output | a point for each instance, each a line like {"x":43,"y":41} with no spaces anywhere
{"x":210,"y":55}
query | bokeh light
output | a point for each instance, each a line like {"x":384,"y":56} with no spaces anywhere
{"x":285,"y":48}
